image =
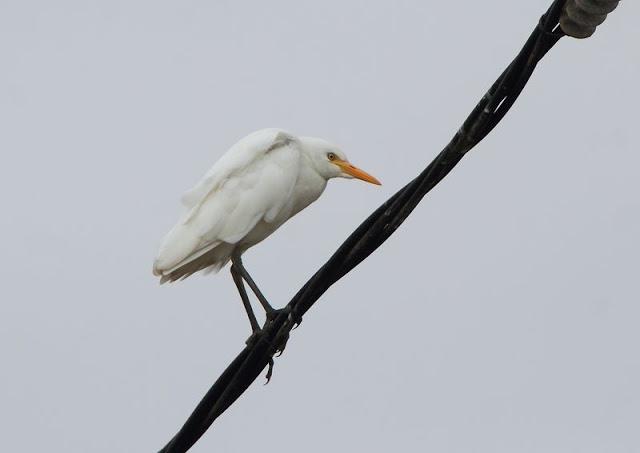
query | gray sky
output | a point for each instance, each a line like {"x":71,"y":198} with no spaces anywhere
{"x":512,"y":291}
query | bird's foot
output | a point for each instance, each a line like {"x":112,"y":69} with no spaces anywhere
{"x":250,"y":342}
{"x":293,"y":317}
{"x":280,"y":341}
{"x":275,"y":312}
{"x":253,"y":337}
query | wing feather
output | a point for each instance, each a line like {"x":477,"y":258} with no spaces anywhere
{"x":253,"y":181}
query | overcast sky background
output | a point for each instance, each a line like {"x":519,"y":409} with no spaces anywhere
{"x":510,"y":298}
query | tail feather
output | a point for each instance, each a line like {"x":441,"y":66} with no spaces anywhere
{"x":211,"y":262}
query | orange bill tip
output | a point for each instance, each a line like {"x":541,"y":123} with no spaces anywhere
{"x":354,"y":171}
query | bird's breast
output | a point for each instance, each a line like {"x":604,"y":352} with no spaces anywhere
{"x":309,"y":186}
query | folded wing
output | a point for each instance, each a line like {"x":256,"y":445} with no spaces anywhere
{"x":253,"y":181}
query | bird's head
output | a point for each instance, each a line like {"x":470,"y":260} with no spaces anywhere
{"x":330,"y":162}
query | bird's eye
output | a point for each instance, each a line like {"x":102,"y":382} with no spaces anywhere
{"x":331,"y":156}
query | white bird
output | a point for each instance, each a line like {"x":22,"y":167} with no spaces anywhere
{"x":256,"y":186}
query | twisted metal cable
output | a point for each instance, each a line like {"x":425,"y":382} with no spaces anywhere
{"x":376,"y":229}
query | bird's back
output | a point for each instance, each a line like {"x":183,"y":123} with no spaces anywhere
{"x":251,"y":185}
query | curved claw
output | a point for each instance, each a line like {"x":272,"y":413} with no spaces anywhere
{"x":269,"y":371}
{"x":281,"y":350}
{"x":295,"y":319}
{"x":296,"y":323}
{"x":281,"y":342}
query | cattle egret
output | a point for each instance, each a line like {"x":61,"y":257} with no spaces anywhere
{"x":256,"y":186}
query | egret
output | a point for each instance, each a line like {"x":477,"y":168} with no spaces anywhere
{"x":257,"y":185}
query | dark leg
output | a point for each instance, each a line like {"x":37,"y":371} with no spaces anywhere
{"x":237,"y":278}
{"x":239,"y":273}
{"x":237,"y":263}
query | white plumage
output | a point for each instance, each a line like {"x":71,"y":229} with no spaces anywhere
{"x":256,"y":186}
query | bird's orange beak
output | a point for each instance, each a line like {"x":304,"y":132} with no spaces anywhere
{"x":354,"y":171}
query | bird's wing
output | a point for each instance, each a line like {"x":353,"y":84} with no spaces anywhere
{"x":251,"y":182}
{"x":245,"y":152}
